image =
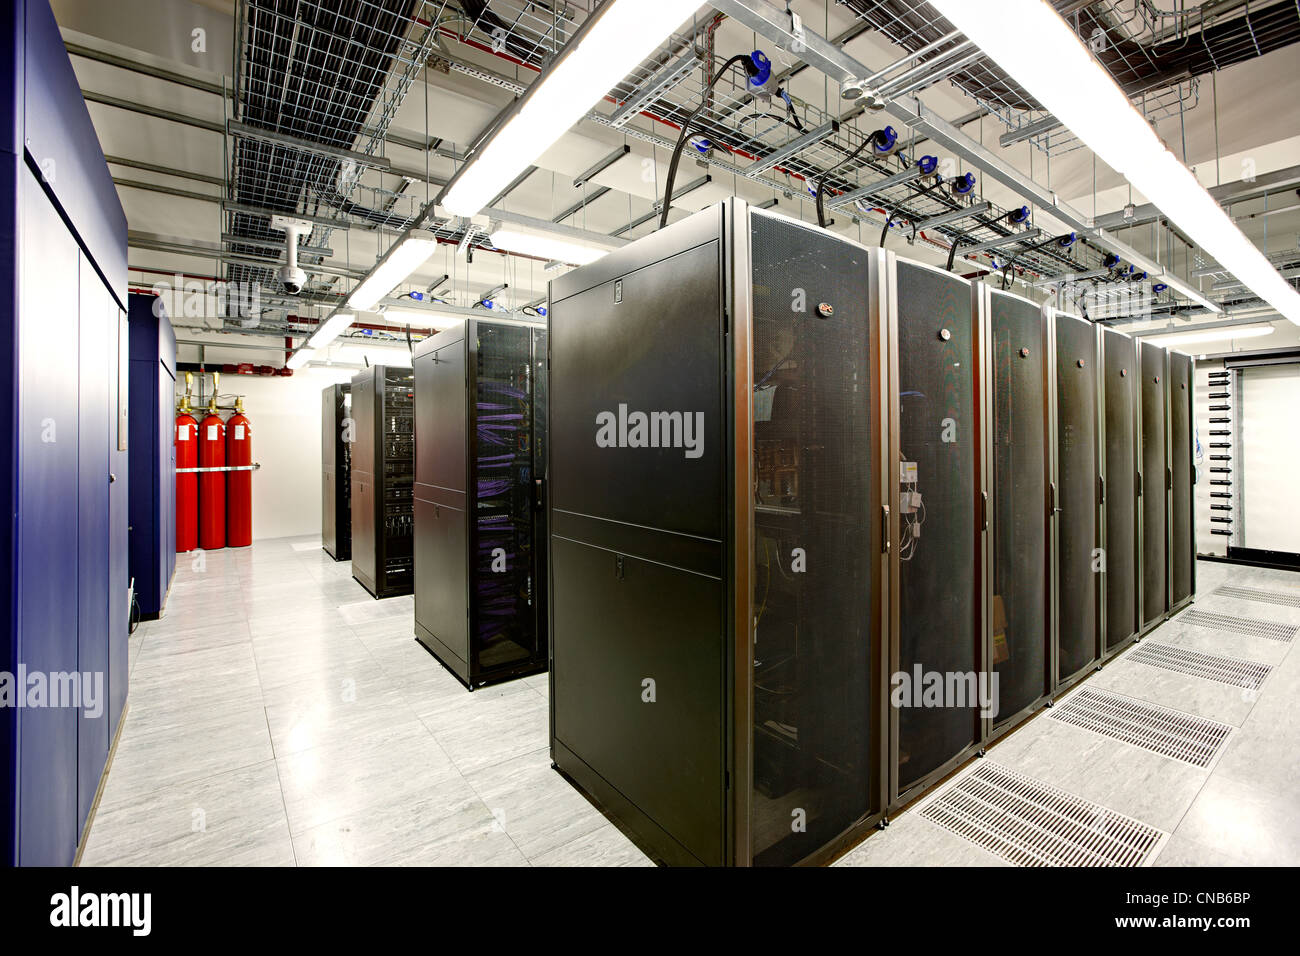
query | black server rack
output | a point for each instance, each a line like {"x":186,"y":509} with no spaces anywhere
{"x":940,"y":514}
{"x":479,"y":529}
{"x":382,"y":474}
{"x":1119,"y":390}
{"x":717,"y":465}
{"x":1182,"y":471}
{"x":336,"y":480}
{"x":1154,"y":484}
{"x":1020,"y":637}
{"x":1075,"y":496}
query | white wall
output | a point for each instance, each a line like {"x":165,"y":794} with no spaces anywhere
{"x":285,"y":412}
{"x":1270,"y":417}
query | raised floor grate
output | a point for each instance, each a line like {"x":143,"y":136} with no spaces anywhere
{"x":1171,"y":733}
{"x":1263,"y":595}
{"x":1269,"y":630}
{"x":1225,"y":670}
{"x":1029,"y":823}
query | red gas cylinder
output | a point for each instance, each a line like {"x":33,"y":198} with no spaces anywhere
{"x":187,"y":483}
{"x":239,"y":484}
{"x":212,"y":484}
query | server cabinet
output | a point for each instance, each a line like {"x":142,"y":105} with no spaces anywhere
{"x":1120,"y":577}
{"x":1076,"y":484}
{"x":152,"y":453}
{"x":1182,"y":505}
{"x":716,"y":479}
{"x":940,"y":508}
{"x":382,"y":475}
{"x":479,"y":533}
{"x":1154,"y":485}
{"x":1019,"y":635}
{"x":337,"y":427}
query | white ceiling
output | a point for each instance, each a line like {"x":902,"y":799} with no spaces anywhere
{"x":1256,"y":119}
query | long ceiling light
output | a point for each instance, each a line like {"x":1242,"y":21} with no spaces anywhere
{"x":329,"y":330}
{"x":613,"y":40}
{"x":300,"y":358}
{"x":1029,"y":40}
{"x":396,"y":265}
{"x":1191,"y":335}
{"x":546,"y":247}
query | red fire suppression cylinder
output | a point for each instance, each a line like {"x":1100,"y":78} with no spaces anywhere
{"x":212,"y":484}
{"x":239,"y":484}
{"x":187,"y":482}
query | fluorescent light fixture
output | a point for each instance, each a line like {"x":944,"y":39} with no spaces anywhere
{"x":395,"y":266}
{"x":357,"y":354}
{"x":546,"y":247}
{"x":1191,"y":335}
{"x":424,"y":318}
{"x":329,"y":330}
{"x":616,"y":38}
{"x":300,"y":358}
{"x":1029,"y":40}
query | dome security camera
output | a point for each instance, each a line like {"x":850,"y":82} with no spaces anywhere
{"x":291,"y":277}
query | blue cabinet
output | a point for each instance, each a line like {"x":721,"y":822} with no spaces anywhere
{"x":152,"y":454}
{"x":63,"y":557}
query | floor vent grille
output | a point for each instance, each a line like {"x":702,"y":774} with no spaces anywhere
{"x":1171,"y":733}
{"x":1264,"y":596}
{"x":1225,"y":670}
{"x":1029,"y":823}
{"x":1269,"y":630}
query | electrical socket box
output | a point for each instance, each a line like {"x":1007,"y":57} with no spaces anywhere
{"x":907,"y":472}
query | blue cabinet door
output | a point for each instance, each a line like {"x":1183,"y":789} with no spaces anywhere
{"x":46,"y":545}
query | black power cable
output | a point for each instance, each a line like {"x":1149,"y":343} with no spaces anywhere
{"x":750,"y":70}
{"x":877,"y":137}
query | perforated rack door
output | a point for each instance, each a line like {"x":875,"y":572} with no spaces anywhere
{"x":816,"y":691}
{"x":1077,"y":574}
{"x":937,"y":551}
{"x":501,"y":528}
{"x":1182,"y":538}
{"x":1020,"y":590}
{"x":1155,"y":498}
{"x":1119,"y":379}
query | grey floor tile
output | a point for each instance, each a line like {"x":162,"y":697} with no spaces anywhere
{"x":231,"y":819}
{"x":1244,"y":821}
{"x":447,"y":825}
{"x":538,"y":808}
{"x":489,"y":726}
{"x":348,"y":777}
{"x":604,"y":846}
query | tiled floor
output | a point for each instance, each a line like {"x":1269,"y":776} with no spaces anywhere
{"x":280,"y":716}
{"x":1238,"y":811}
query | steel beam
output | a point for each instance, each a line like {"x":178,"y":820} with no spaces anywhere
{"x":236,"y":128}
{"x":582,"y":178}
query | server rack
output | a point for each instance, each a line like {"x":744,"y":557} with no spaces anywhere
{"x":1182,"y":472}
{"x":1020,"y":636}
{"x":1119,"y":384}
{"x":939,"y":451}
{"x":718,"y":458}
{"x":382,"y":475}
{"x":479,"y":530}
{"x":1075,"y":494}
{"x":1153,"y":485}
{"x":337,"y":427}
